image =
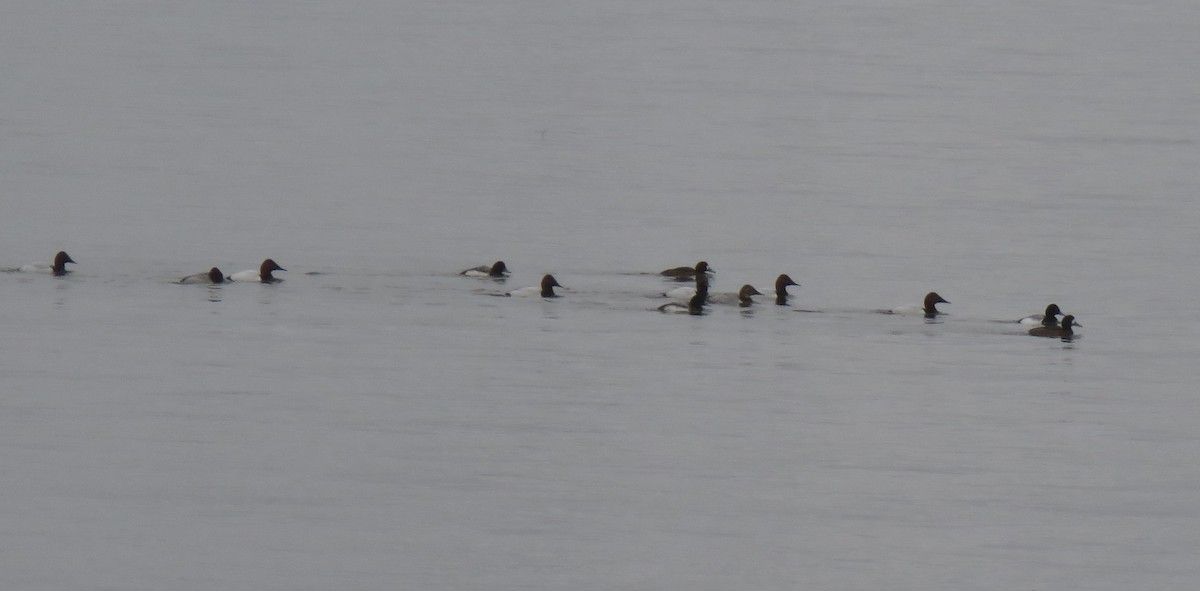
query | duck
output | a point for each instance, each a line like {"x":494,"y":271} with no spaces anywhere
{"x":686,"y":273}
{"x":741,"y":298}
{"x":213,"y":275}
{"x":1064,"y":331}
{"x":1050,"y":318}
{"x":58,"y":268}
{"x":929,"y":310}
{"x":495,"y":270}
{"x":694,"y":306}
{"x":545,"y":290}
{"x":262,"y":275}
{"x":781,"y":285}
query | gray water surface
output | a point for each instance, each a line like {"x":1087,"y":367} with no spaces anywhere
{"x":377,"y":422}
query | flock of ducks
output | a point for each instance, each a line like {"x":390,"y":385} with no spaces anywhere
{"x":685,"y":299}
{"x":692,"y":300}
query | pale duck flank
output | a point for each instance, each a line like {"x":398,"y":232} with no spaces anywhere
{"x":685,"y":294}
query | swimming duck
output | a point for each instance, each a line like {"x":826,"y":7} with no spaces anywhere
{"x":58,"y":268}
{"x":262,"y":275}
{"x":1064,"y":331}
{"x":545,"y":290}
{"x":497,"y":269}
{"x":781,"y":285}
{"x":213,"y":275}
{"x":685,"y":273}
{"x":741,"y":298}
{"x":929,"y":310}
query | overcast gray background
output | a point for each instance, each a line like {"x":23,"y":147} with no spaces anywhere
{"x":376,"y":422}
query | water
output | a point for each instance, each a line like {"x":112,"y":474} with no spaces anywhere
{"x":378,"y":422}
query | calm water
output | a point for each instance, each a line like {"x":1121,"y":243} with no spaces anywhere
{"x":376,"y":422}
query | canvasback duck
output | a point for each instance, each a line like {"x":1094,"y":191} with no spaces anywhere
{"x":694,"y":306}
{"x":213,"y":275}
{"x":686,"y":273}
{"x":781,"y":285}
{"x":545,"y":290}
{"x":262,"y":275}
{"x":1063,"y":332}
{"x":58,"y":268}
{"x":1050,"y":318}
{"x":929,"y":310}
{"x":741,"y":298}
{"x":497,"y":269}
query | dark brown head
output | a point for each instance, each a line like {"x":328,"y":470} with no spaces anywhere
{"x":215,"y":275}
{"x":744,"y":299}
{"x":60,"y":263}
{"x":498,"y":269}
{"x":781,"y":285}
{"x":932,"y":299}
{"x":702,"y":268}
{"x":264,"y":271}
{"x":548,"y":285}
{"x":1067,"y":322}
{"x":1051,"y":316}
